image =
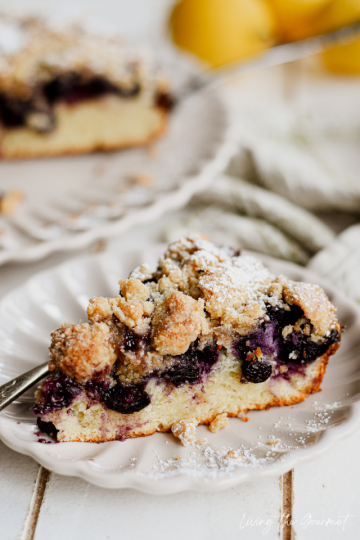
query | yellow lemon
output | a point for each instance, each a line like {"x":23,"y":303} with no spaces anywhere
{"x":342,"y":58}
{"x":298,"y":19}
{"x":339,"y":13}
{"x":222,"y":31}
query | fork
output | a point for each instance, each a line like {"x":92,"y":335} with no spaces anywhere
{"x":17,"y":386}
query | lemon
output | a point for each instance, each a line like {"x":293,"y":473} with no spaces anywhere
{"x":222,"y":31}
{"x":342,"y":58}
{"x":298,"y":19}
{"x":339,"y":13}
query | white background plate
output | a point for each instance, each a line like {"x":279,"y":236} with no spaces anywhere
{"x":306,"y":430}
{"x":72,"y":201}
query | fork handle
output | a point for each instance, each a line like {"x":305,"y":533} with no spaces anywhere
{"x":16,"y":387}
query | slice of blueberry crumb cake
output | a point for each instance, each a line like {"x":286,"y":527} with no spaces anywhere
{"x":209,"y":334}
{"x":68,"y":91}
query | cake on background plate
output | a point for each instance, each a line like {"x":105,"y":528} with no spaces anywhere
{"x":72,"y":92}
{"x":207,"y":335}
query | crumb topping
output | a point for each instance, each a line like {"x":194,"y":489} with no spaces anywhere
{"x":177,"y":322}
{"x":199,"y":296}
{"x":82,"y":350}
{"x":220,"y":422}
{"x":185,"y":430}
{"x":233,"y":284}
{"x":315,"y":305}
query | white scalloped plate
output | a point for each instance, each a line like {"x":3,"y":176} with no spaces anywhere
{"x":306,"y":430}
{"x":72,"y":201}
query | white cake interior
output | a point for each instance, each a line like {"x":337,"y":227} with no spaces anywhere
{"x":105,"y":123}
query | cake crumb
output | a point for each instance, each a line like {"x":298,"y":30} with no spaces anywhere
{"x":232,"y":454}
{"x":274,"y":441}
{"x":201,"y":441}
{"x":143,"y":179}
{"x":185,"y":430}
{"x":153,"y":152}
{"x":220,"y":422}
{"x":10,"y":200}
{"x":245,"y":419}
{"x":177,"y":457}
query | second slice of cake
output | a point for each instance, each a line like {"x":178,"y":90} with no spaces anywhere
{"x":73,"y":92}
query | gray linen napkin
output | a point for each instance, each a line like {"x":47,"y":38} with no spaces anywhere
{"x":267,"y":199}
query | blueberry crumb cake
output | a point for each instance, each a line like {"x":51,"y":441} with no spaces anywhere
{"x":69,"y":92}
{"x":207,"y":335}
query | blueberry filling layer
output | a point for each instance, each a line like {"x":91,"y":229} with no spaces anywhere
{"x":46,"y":427}
{"x":268,"y":342}
{"x":191,"y":367}
{"x":294,"y":350}
{"x":37,"y":111}
{"x":56,"y":394}
{"x":120,"y":398}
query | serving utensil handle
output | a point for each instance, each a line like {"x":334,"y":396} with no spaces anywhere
{"x":273,"y":56}
{"x":16,"y":387}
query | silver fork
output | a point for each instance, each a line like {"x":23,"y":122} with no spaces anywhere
{"x":274,"y":56}
{"x":17,"y":386}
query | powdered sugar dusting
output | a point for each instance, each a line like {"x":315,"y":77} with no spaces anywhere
{"x":246,"y":275}
{"x":286,"y":435}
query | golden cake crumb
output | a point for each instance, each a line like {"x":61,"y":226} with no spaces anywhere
{"x":232,"y":454}
{"x":185,"y":430}
{"x":220,"y":422}
{"x":10,"y":200}
{"x":143,"y":179}
{"x":201,"y":441}
{"x":274,"y":441}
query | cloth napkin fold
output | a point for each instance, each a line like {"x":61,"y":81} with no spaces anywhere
{"x":275,"y":183}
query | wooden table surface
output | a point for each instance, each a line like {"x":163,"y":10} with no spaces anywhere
{"x":317,"y":500}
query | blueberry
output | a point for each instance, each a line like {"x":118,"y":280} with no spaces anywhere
{"x":307,"y":350}
{"x":126,"y":399}
{"x":46,"y":427}
{"x":164,"y":100}
{"x":129,"y":341}
{"x":56,"y":394}
{"x":134,"y":342}
{"x":186,"y":371}
{"x":191,"y":366}
{"x":255,"y":371}
{"x":71,"y":88}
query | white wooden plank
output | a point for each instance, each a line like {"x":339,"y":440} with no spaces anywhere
{"x":329,"y":489}
{"x":17,"y":481}
{"x":73,"y":509}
